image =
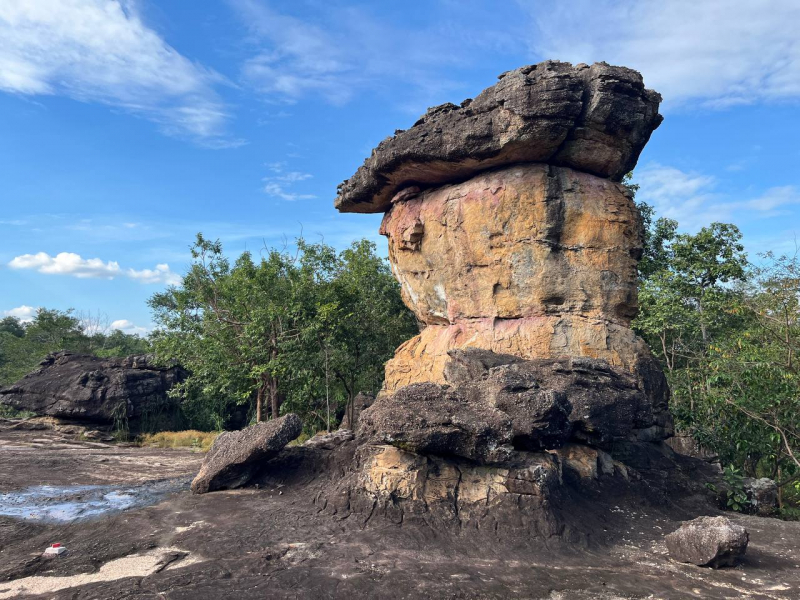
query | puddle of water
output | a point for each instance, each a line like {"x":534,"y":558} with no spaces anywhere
{"x":63,"y":504}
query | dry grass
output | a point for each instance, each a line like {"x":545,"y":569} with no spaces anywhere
{"x":196,"y":440}
{"x":303,"y":437}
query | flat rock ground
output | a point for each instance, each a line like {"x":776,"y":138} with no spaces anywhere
{"x":273,"y":542}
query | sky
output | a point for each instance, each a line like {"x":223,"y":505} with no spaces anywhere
{"x":127,"y":126}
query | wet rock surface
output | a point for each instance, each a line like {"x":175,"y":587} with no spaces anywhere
{"x":709,"y":542}
{"x":236,"y":456}
{"x":592,"y":118}
{"x":105,"y":391}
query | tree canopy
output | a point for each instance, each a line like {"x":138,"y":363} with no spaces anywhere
{"x":726,"y":331}
{"x":303,"y":331}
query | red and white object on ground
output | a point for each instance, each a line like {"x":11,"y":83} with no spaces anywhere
{"x":55,"y":549}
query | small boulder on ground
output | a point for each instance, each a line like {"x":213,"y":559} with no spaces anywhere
{"x":432,"y":419}
{"x":236,"y":456}
{"x":708,"y":542}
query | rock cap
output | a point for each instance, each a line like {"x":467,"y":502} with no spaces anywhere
{"x":595,"y":119}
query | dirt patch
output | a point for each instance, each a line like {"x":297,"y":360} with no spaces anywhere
{"x":280,"y":541}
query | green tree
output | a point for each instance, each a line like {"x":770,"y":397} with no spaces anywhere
{"x":310,"y":330}
{"x":355,"y":321}
{"x":703,"y":263}
{"x":13,"y":326}
{"x":225,"y":324}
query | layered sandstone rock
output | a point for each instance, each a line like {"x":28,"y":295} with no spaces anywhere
{"x":530,"y":260}
{"x":506,"y":227}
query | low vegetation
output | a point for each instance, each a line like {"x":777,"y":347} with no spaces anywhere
{"x":191,"y":438}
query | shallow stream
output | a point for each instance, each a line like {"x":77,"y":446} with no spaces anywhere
{"x":64,"y":504}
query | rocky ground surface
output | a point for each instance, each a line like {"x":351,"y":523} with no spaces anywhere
{"x":277,"y":540}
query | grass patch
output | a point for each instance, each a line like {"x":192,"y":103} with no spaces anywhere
{"x":8,"y":412}
{"x":196,"y":440}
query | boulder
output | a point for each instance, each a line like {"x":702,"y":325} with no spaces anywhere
{"x":709,"y":542}
{"x":236,"y":456}
{"x":427,"y":418}
{"x":595,"y":119}
{"x":85,"y":389}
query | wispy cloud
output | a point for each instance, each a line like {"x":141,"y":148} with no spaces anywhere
{"x":718,"y":52}
{"x":341,"y":52}
{"x":24,"y":313}
{"x":101,"y":51}
{"x":278,"y":184}
{"x":69,"y":263}
{"x":693,"y":199}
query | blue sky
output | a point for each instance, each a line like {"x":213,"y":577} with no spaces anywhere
{"x":128,"y":126}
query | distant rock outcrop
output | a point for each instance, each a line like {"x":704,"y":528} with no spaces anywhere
{"x":99,"y":391}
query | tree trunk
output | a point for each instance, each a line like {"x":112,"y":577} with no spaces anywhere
{"x":259,"y":403}
{"x":327,"y":393}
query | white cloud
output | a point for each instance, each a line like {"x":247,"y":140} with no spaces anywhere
{"x":774,"y":198}
{"x":24,"y":313}
{"x":69,"y":263}
{"x":66,"y":263}
{"x":126,"y":326}
{"x":718,"y":52}
{"x":693,"y":198}
{"x":278,"y":185}
{"x":161,"y":274}
{"x":101,"y":51}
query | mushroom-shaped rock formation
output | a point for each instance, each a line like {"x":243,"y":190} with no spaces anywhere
{"x":508,"y":229}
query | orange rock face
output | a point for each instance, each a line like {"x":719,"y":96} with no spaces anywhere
{"x":531,"y":260}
